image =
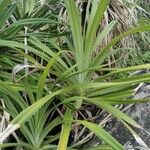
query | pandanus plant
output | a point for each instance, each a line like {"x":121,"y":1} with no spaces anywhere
{"x":72,"y":69}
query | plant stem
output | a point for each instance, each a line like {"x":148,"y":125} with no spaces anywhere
{"x":66,"y":128}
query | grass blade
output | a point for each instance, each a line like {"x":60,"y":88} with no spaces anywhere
{"x":75,"y":23}
{"x":3,"y":5}
{"x":104,"y":52}
{"x":42,"y":79}
{"x":102,"y":134}
{"x":66,"y":128}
